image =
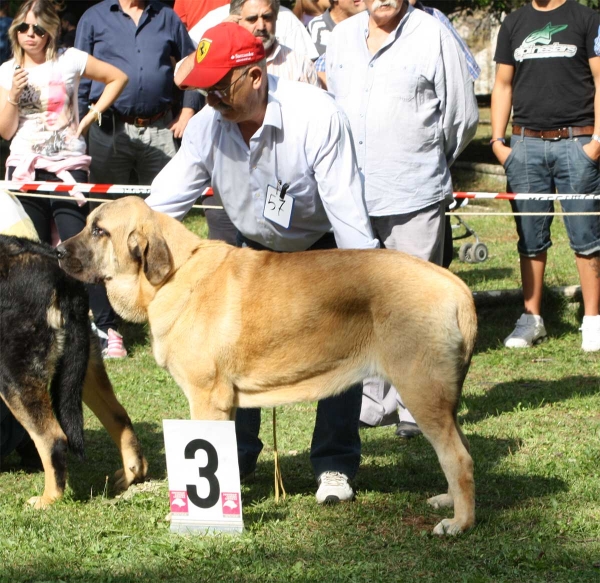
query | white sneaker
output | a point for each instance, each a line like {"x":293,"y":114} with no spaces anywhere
{"x":333,"y":488}
{"x":590,"y":333}
{"x":528,"y":331}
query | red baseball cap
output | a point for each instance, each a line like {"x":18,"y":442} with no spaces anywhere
{"x":223,"y":47}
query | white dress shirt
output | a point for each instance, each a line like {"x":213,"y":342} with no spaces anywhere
{"x":288,"y":64}
{"x":304,"y":141}
{"x":411,"y":106}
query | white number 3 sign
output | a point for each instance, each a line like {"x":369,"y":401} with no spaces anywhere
{"x":204,"y":479}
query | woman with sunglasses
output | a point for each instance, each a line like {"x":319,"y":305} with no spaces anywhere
{"x":39,"y":113}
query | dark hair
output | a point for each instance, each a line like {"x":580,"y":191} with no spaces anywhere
{"x":46,"y":14}
{"x":235,"y":6}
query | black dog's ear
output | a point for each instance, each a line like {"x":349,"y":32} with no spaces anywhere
{"x":153,"y":254}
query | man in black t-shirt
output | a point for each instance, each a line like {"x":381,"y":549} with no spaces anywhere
{"x":548,"y":71}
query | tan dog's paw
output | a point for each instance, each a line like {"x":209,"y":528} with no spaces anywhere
{"x":448,"y":526}
{"x":441,"y":501}
{"x":132,"y":475}
{"x":40,"y":502}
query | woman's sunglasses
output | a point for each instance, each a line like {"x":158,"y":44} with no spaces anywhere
{"x":37,"y":30}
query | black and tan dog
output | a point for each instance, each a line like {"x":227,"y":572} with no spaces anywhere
{"x":49,"y":361}
{"x":243,"y":328}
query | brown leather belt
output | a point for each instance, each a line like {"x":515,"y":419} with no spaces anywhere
{"x":142,"y":122}
{"x":558,"y":134}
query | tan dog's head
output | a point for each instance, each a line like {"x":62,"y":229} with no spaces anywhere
{"x":121,"y":246}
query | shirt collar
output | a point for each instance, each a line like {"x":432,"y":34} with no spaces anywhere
{"x":115,"y":5}
{"x":275,"y":52}
{"x":273,"y":115}
{"x":396,"y":32}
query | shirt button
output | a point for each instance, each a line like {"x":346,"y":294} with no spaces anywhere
{"x":360,"y":142}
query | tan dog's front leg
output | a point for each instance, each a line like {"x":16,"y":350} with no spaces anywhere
{"x":99,"y":396}
{"x":212,"y":404}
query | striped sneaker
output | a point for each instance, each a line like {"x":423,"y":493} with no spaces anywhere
{"x":111,"y":343}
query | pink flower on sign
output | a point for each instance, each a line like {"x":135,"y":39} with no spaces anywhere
{"x":230,"y":502}
{"x":179,"y":501}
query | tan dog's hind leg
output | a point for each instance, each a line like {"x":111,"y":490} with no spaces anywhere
{"x":48,"y":437}
{"x":434,"y":413}
{"x":99,"y":396}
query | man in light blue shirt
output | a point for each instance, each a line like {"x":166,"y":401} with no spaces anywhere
{"x":403,"y":82}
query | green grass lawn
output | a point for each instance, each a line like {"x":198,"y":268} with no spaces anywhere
{"x":532,"y":418}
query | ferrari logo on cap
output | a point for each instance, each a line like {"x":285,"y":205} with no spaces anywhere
{"x":202,"y":49}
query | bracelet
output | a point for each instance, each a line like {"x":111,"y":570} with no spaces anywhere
{"x":497,"y":140}
{"x":98,"y":114}
{"x":11,"y":101}
{"x":596,"y":138}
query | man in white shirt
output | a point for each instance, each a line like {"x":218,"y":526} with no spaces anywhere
{"x":280,"y":159}
{"x":260,"y":18}
{"x":402,"y":80}
{"x":290,"y":31}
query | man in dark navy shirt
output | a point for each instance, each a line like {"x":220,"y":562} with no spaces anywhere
{"x":143,"y":38}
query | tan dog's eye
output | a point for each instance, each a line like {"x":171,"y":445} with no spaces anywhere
{"x":97,"y":231}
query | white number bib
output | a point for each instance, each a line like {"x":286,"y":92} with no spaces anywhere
{"x":278,"y":206}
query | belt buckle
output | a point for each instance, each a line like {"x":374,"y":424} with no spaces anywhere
{"x":140,"y":122}
{"x":559,"y":137}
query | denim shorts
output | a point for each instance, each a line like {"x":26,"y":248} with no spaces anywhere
{"x":548,"y":167}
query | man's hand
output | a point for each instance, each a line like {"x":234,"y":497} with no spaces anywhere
{"x":592,"y":150}
{"x":177,"y":126}
{"x":501,"y":151}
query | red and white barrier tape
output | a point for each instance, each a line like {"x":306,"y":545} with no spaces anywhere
{"x":525,"y":196}
{"x":126,"y":189}
{"x":33,"y":188}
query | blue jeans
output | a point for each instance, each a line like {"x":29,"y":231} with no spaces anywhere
{"x":335,"y":443}
{"x":546,"y":167}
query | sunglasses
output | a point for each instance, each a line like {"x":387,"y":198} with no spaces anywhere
{"x":37,"y":30}
{"x":221,"y":92}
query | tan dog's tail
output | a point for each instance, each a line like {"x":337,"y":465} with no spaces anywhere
{"x":467,"y":323}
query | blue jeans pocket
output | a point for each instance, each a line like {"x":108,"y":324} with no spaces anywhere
{"x":584,"y":172}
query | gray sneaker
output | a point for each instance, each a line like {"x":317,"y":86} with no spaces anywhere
{"x":333,"y":488}
{"x":528,"y":331}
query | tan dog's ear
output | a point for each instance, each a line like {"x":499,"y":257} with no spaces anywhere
{"x":153,"y":253}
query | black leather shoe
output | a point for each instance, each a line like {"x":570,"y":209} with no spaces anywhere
{"x":407,"y":430}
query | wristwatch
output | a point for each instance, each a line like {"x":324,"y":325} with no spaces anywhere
{"x":497,"y":140}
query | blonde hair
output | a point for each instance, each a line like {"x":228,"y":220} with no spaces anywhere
{"x":46,"y":14}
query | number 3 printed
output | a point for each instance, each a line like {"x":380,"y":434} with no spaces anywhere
{"x":207,"y":472}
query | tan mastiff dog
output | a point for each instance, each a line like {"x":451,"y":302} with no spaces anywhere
{"x":244,"y":328}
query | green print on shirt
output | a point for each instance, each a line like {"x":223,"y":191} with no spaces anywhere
{"x":537,"y":45}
